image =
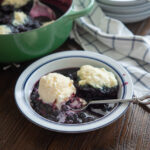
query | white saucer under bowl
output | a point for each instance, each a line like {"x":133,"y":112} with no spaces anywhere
{"x":133,"y":9}
{"x":63,"y":60}
{"x":123,"y":2}
{"x":129,"y":18}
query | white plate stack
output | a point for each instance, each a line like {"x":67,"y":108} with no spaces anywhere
{"x":126,"y":11}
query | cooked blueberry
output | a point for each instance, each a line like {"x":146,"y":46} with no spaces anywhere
{"x":69,"y":121}
{"x":27,"y":7}
{"x":75,"y":116}
{"x":55,"y":113}
{"x":5,"y":20}
{"x":88,"y":119}
{"x":81,"y":115}
{"x":70,"y":117}
{"x":33,"y":96}
{"x":7,"y":9}
{"x":64,"y":108}
{"x":70,"y":75}
{"x":1,"y":15}
{"x":53,"y":118}
{"x":68,"y":103}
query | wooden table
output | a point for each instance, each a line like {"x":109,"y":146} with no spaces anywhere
{"x":130,"y":132}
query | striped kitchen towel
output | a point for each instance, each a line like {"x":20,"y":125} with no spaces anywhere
{"x":101,"y":34}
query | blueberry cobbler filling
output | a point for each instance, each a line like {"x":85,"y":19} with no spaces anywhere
{"x":18,"y":19}
{"x":7,"y":17}
{"x":83,"y":94}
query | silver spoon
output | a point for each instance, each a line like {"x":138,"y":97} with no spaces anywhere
{"x":41,"y":10}
{"x":145,"y":100}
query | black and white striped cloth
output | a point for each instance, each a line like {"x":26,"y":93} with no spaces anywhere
{"x":99,"y":33}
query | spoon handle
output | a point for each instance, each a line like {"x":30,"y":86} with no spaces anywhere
{"x":111,"y":101}
{"x":145,"y":100}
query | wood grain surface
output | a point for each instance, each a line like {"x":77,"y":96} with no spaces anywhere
{"x":130,"y":132}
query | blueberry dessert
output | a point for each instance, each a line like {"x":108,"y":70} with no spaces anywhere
{"x":16,"y":15}
{"x":56,"y":95}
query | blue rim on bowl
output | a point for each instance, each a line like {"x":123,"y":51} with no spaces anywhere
{"x":70,"y":59}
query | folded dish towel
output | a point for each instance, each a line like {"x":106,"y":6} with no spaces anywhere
{"x":101,"y":34}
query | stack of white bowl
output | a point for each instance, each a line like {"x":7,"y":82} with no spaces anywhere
{"x":126,"y":11}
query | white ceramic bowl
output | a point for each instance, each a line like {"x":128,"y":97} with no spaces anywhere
{"x":69,"y":59}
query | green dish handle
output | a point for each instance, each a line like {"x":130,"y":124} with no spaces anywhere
{"x":73,"y":14}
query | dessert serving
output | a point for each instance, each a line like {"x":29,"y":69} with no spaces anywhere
{"x":64,"y":110}
{"x":57,"y":94}
{"x":24,"y":15}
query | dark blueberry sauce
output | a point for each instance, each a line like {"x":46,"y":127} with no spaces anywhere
{"x":6,"y":17}
{"x":65,"y":114}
